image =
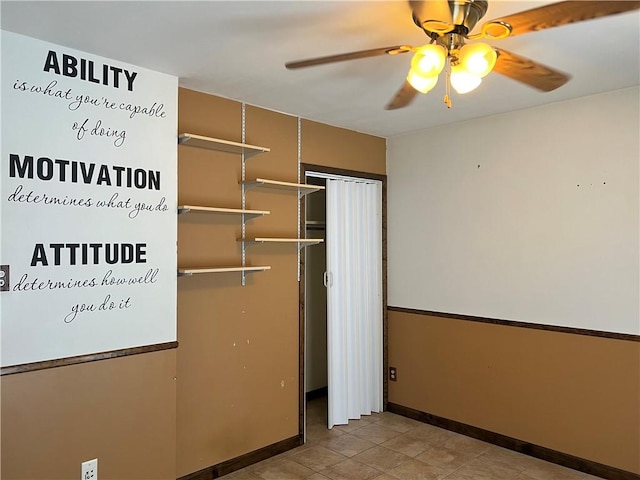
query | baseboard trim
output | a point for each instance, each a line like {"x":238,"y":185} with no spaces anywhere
{"x":543,"y":453}
{"x":92,"y":357}
{"x":317,"y":393}
{"x":229,"y":466}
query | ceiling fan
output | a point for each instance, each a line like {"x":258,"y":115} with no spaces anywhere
{"x":449,"y":23}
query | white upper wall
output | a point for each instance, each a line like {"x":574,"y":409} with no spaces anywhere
{"x":528,"y":216}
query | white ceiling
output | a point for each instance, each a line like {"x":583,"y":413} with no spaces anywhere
{"x":237,"y":49}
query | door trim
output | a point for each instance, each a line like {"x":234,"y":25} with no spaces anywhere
{"x":304,"y":168}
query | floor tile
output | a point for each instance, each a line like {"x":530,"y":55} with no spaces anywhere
{"x":396,"y":422}
{"x":376,"y":433}
{"x":524,"y":476}
{"x":279,"y":457}
{"x":445,"y":458}
{"x":317,"y":458}
{"x":548,"y":471}
{"x":466,"y":445}
{"x":381,"y":458}
{"x":350,"y":470}
{"x":407,"y":444}
{"x":386,"y":446}
{"x":416,"y":470}
{"x":385,"y":476}
{"x":485,"y":469}
{"x":316,"y":412}
{"x":353,"y":425}
{"x":318,"y":417}
{"x":282,"y":470}
{"x":317,"y":432}
{"x":433,"y":435}
{"x":244,"y":474}
{"x":347,"y":444}
{"x":508,"y":456}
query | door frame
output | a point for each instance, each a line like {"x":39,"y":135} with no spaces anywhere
{"x":304,"y":168}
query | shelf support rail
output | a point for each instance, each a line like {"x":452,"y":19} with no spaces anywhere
{"x":244,"y":206}
{"x":300,"y":197}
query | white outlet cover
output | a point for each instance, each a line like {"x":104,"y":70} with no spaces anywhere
{"x":90,"y":470}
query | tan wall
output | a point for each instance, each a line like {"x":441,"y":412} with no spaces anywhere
{"x":238,"y":363}
{"x":339,"y":148}
{"x":121,"y":411}
{"x":572,"y":393}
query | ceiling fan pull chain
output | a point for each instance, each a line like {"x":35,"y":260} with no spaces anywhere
{"x":447,"y":85}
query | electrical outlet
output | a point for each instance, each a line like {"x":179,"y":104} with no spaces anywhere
{"x":90,"y":470}
{"x":393,"y":374}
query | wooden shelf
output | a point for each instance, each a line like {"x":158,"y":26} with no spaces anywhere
{"x":301,"y":242}
{"x":301,"y":188}
{"x":220,"y":210}
{"x":191,"y":271}
{"x":220,"y":145}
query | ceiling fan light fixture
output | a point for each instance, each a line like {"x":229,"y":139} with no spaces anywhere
{"x":429,"y":60}
{"x":478,"y":59}
{"x":420,"y":82}
{"x":462,"y":81}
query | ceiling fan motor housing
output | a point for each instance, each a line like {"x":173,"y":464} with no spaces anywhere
{"x":468,"y":12}
{"x":464,"y":13}
{"x":452,"y":42}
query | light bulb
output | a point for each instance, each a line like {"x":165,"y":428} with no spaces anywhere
{"x":429,"y":60}
{"x":420,"y":82}
{"x":477,"y":58}
{"x":462,"y":81}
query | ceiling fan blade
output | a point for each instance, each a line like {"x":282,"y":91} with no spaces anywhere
{"x":374,"y":52}
{"x":561,"y":13}
{"x":403,"y":97}
{"x":529,"y":72}
{"x":433,"y":14}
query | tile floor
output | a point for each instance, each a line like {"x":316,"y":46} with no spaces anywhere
{"x":386,"y":446}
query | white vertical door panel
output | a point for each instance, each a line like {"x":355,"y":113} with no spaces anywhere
{"x":354,"y":299}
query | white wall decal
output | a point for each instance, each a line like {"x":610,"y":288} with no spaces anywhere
{"x":88,"y":203}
